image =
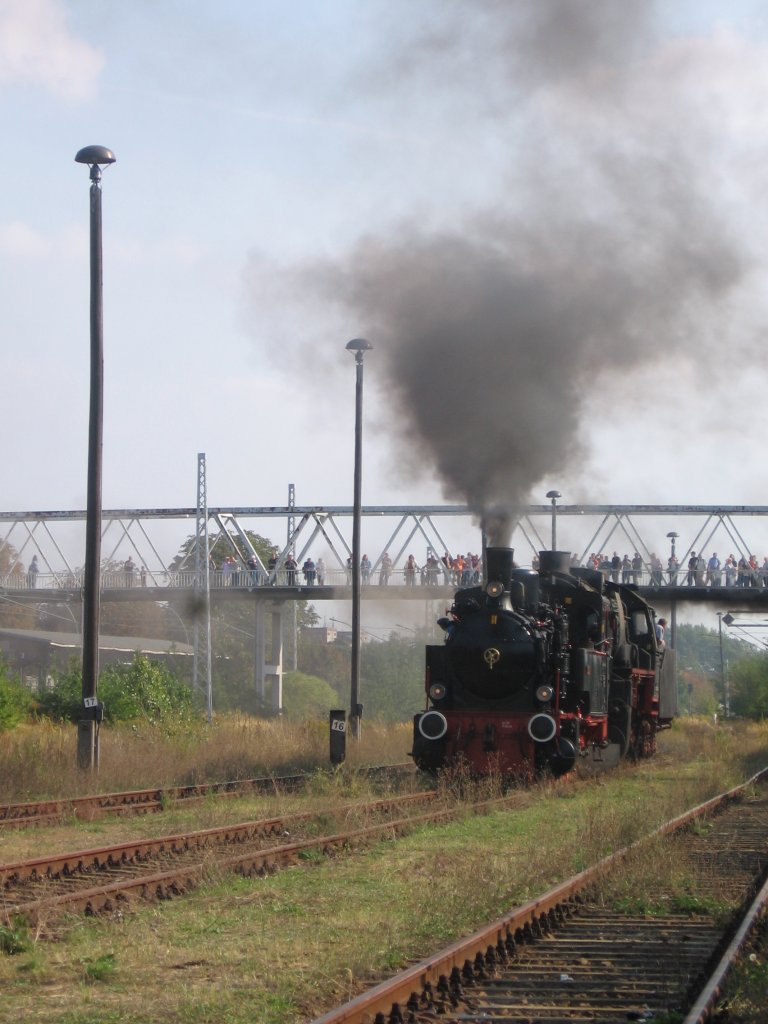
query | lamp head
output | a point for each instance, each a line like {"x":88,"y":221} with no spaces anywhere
{"x":672,"y":535}
{"x":95,"y":155}
{"x":554,"y":494}
{"x":358,"y":345}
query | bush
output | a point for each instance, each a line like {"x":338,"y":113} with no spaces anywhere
{"x":144,"y":690}
{"x":15,"y":701}
{"x":306,"y":697}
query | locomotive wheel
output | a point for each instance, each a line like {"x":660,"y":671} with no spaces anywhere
{"x":564,"y":757}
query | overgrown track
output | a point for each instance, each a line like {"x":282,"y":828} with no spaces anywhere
{"x":142,"y":801}
{"x":569,"y":956}
{"x":106,"y":879}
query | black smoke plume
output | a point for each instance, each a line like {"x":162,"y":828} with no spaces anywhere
{"x":505,"y":335}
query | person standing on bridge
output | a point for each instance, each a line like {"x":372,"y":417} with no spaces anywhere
{"x":272,"y":567}
{"x":730,"y":571}
{"x":637,"y":568}
{"x":385,"y":570}
{"x":291,"y":567}
{"x":656,"y":570}
{"x":692,"y":563}
{"x":410,"y":571}
{"x":701,"y":570}
{"x":365,"y":570}
{"x":320,"y":572}
{"x":310,"y":571}
{"x":672,"y":566}
{"x":32,"y":572}
{"x":714,"y":572}
{"x":129,"y":568}
{"x":626,"y":569}
{"x":615,"y":566}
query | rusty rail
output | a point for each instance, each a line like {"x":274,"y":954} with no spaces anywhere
{"x":87,"y":808}
{"x":435,"y":985}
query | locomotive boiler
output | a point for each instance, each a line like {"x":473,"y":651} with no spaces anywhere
{"x":542,"y":669}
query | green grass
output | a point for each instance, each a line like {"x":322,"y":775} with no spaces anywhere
{"x":280,"y":949}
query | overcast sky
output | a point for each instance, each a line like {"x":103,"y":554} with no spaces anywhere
{"x":291,"y":176}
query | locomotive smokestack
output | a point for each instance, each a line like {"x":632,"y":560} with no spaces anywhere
{"x":499,"y":565}
{"x":555,"y":561}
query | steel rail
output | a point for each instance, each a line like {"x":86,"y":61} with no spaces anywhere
{"x":416,"y":988}
{"x":87,"y":808}
{"x":54,"y":865}
{"x":702,"y":1008}
{"x":108,"y":895}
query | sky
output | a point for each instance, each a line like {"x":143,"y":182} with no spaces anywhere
{"x":547,"y":217}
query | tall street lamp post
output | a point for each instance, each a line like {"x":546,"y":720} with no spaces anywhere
{"x":95,"y":157}
{"x":727,"y":619}
{"x":359,"y":346}
{"x":553,"y":496}
{"x":673,"y":568}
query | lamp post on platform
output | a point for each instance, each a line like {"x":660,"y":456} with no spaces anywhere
{"x":673,"y":570}
{"x":95,"y":157}
{"x":359,"y":346}
{"x":553,"y":496}
{"x":672,"y":537}
{"x":727,"y":619}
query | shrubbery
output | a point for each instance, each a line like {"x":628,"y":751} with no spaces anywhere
{"x":141,"y":691}
{"x":15,"y":700}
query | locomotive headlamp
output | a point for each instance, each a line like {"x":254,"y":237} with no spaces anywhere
{"x":437,"y":691}
{"x":432,"y":725}
{"x":542,"y":728}
{"x":494,"y":589}
{"x":545,"y":693}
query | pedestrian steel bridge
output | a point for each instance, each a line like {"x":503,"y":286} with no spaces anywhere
{"x":163,"y":548}
{"x":152,"y":538}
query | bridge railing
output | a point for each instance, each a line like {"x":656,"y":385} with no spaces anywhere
{"x":247,"y":579}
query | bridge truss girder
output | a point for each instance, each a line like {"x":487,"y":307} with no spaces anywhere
{"x":58,"y":541}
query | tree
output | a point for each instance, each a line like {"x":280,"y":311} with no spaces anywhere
{"x":700,"y":685}
{"x":307,"y":696}
{"x":15,"y":700}
{"x":749,"y":686}
{"x":392,"y":678}
{"x":142,"y":690}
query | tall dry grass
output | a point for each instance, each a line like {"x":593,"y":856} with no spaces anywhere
{"x":40,"y":761}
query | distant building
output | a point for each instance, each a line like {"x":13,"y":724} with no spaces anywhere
{"x":344,"y":636}
{"x":36,"y":654}
{"x":320,"y":634}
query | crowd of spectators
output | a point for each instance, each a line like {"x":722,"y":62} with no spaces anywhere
{"x":463,"y":570}
{"x":698,"y":571}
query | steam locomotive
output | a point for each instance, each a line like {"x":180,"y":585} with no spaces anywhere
{"x":542,"y":669}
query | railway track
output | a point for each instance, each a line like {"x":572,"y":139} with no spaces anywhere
{"x":145,"y":801}
{"x":107,"y":879}
{"x":574,"y":955}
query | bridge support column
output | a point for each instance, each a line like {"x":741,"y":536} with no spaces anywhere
{"x":275,"y":668}
{"x":268,"y":670}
